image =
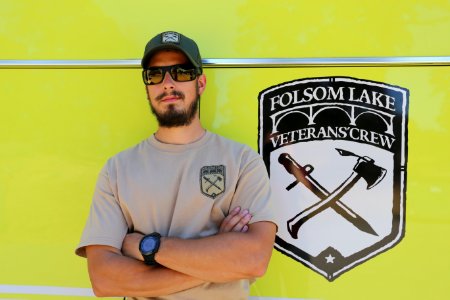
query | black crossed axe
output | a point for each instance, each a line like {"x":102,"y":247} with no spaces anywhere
{"x":364,"y":168}
{"x":213,"y":183}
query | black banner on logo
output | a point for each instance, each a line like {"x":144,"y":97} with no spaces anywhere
{"x":336,"y":152}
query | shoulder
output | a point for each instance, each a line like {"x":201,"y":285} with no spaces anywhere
{"x":238,"y":151}
{"x":128,"y":155}
{"x":221,"y":140}
{"x":229,"y":144}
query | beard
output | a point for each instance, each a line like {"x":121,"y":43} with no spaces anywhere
{"x":174,"y":117}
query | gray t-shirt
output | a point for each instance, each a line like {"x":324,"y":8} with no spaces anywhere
{"x":180,"y":191}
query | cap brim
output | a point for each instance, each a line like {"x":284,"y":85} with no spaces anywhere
{"x":145,"y":60}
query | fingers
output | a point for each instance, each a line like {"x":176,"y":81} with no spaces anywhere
{"x":242,"y":221}
{"x":226,"y":224}
{"x":236,"y":221}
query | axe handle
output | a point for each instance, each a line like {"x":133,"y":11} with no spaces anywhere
{"x":302,"y":174}
{"x":339,"y":207}
{"x":296,"y":222}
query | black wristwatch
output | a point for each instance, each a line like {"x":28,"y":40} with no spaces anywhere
{"x":149,"y":246}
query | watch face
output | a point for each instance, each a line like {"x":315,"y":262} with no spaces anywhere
{"x":148,"y":244}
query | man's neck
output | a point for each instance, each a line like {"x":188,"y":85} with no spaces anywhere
{"x":180,"y":135}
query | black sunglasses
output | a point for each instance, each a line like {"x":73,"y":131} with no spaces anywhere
{"x":180,"y":73}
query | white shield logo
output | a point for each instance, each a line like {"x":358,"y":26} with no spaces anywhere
{"x":336,"y":152}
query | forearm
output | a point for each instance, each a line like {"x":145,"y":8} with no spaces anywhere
{"x":113,"y":274}
{"x":223,"y":257}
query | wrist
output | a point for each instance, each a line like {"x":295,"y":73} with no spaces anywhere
{"x":149,"y":246}
{"x":130,"y":245}
{"x":162,"y":244}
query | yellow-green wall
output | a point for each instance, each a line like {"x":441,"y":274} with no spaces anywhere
{"x":58,"y":126}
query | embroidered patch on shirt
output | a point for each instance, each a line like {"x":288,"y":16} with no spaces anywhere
{"x":212,"y":180}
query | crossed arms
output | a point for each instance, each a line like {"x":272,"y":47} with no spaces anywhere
{"x":239,"y":250}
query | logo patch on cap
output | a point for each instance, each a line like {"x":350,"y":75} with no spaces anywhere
{"x":171,"y":37}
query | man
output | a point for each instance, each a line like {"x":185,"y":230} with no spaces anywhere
{"x":185,"y":214}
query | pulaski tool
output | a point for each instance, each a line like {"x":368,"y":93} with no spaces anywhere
{"x":364,"y":168}
{"x":213,"y":183}
{"x":303,"y":175}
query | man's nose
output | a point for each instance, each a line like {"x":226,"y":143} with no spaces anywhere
{"x":168,"y":81}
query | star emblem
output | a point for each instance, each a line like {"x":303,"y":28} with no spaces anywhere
{"x":330,"y":259}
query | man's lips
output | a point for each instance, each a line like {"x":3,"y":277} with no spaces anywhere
{"x":170,"y":99}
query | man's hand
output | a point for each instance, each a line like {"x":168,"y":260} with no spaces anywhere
{"x":236,"y":221}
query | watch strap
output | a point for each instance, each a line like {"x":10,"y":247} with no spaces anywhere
{"x":149,"y":258}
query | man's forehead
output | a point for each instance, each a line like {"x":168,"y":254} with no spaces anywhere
{"x":167,"y":57}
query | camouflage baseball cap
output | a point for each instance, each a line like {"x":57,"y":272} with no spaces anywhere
{"x":172,"y":40}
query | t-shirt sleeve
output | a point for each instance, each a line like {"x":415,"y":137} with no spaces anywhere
{"x":106,"y":224}
{"x":253,"y":190}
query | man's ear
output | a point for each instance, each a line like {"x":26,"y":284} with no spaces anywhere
{"x":201,"y":83}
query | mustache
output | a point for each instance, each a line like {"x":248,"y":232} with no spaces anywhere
{"x":172,"y":93}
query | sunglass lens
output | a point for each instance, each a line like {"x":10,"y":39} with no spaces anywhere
{"x":153,"y":76}
{"x":182,"y":74}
